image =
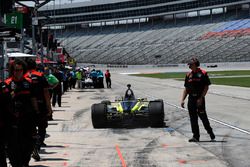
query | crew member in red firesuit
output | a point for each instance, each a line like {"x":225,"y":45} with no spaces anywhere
{"x":41,"y":86}
{"x":4,"y":120}
{"x":196,"y":86}
{"x":108,"y":78}
{"x":22,"y":125}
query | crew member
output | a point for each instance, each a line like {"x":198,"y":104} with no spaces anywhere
{"x":41,"y":90}
{"x":22,"y":124}
{"x":196,"y":86}
{"x":93,"y":76}
{"x":57,"y":91}
{"x":79,"y":78}
{"x":108,"y":78}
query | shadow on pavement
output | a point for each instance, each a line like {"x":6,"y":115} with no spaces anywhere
{"x":132,"y":124}
{"x":84,"y":91}
{"x":216,"y":141}
{"x":53,"y":123}
{"x":54,"y":159}
{"x":56,"y":146}
{"x":58,"y":110}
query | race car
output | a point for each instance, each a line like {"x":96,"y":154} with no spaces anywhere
{"x":87,"y":83}
{"x":94,"y":79}
{"x":107,"y":112}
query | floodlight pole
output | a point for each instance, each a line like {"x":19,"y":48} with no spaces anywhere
{"x":34,"y":23}
{"x":2,"y":61}
{"x":41,"y":40}
{"x":3,"y":47}
{"x":2,"y":58}
{"x":22,"y":40}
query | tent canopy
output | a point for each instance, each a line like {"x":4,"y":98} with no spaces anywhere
{"x":18,"y":54}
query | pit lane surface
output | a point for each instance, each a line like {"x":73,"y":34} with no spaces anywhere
{"x":73,"y":142}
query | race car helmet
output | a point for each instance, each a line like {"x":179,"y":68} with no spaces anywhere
{"x":129,"y":95}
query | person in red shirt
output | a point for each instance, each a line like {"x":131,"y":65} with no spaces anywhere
{"x":108,"y":78}
{"x":196,"y":86}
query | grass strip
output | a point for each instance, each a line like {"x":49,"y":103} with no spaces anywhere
{"x":231,"y":81}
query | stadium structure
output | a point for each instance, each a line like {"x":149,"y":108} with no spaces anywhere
{"x":139,"y":32}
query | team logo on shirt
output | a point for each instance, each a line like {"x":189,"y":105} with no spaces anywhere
{"x":25,"y":84}
{"x":199,"y":75}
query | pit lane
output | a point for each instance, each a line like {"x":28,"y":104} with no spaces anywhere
{"x":73,"y":142}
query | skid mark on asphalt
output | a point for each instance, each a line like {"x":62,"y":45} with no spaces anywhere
{"x":79,"y":113}
{"x":142,"y":156}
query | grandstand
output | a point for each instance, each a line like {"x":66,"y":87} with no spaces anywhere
{"x":152,"y":32}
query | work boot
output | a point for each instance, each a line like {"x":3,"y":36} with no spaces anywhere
{"x":43,"y":144}
{"x":193,"y":140}
{"x":35,"y":155}
{"x":50,"y":118}
{"x":212,"y":136}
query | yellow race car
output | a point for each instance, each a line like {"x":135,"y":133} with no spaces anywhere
{"x":122,"y":109}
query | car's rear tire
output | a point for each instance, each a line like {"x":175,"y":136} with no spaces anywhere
{"x":107,"y":102}
{"x":156,"y":113}
{"x":99,"y":115}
